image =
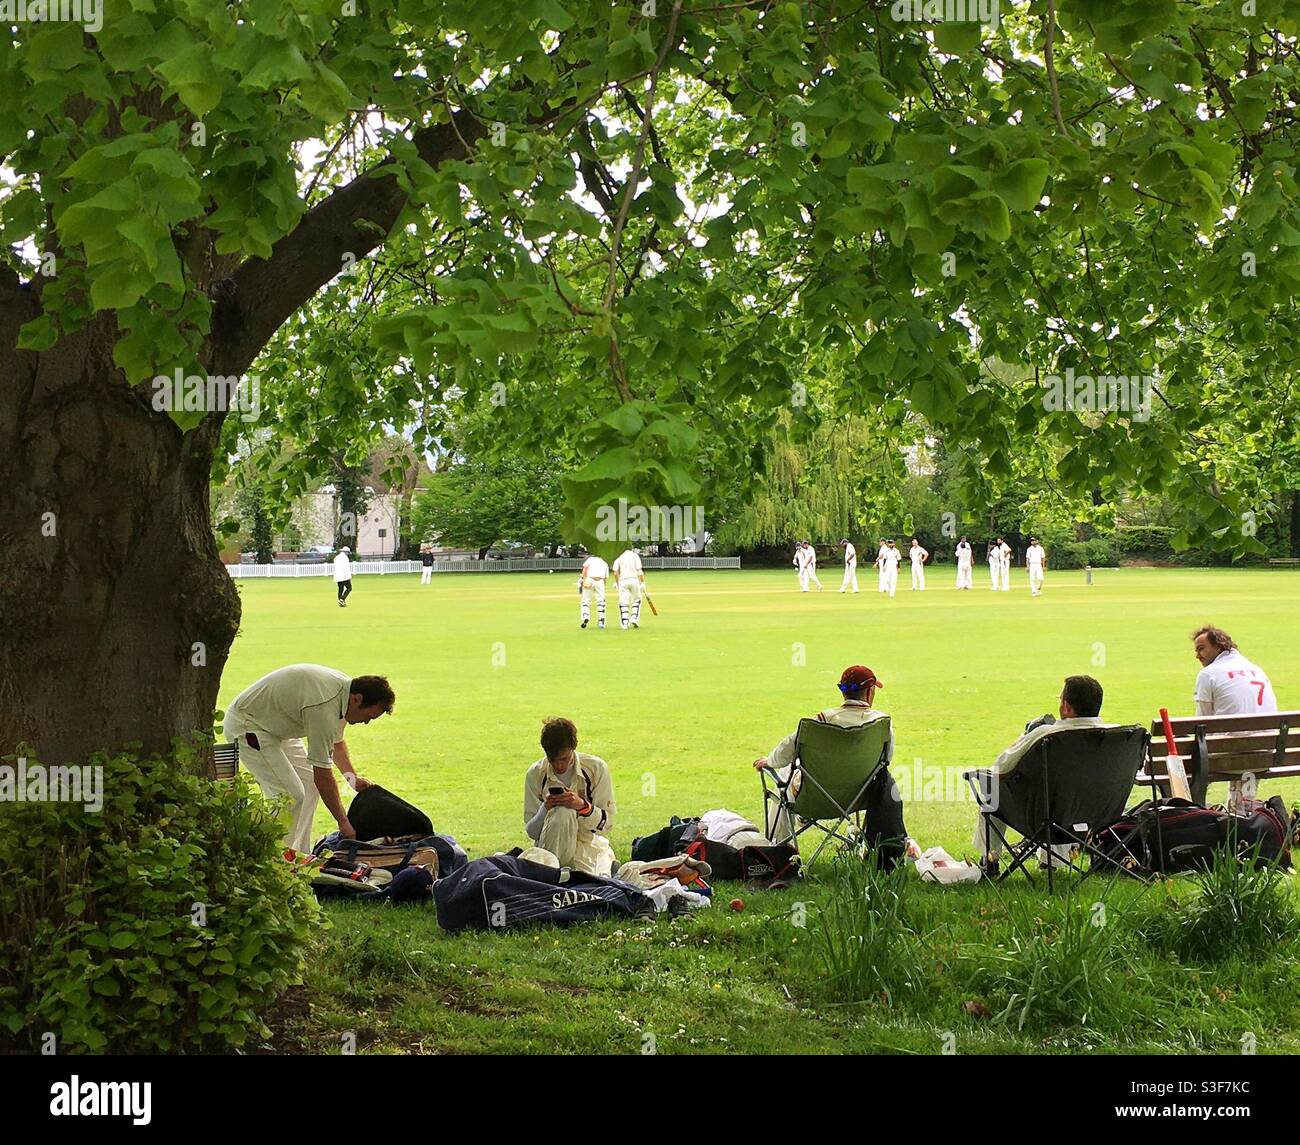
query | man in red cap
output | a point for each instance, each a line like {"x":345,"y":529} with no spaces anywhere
{"x":858,"y":686}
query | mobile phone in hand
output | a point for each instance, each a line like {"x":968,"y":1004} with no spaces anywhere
{"x":555,"y":791}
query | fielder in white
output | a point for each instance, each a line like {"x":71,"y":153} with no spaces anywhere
{"x":879,"y":562}
{"x":1035,"y":564}
{"x":569,"y":801}
{"x":269,"y":719}
{"x":919,"y":555}
{"x":630,"y":577}
{"x":1004,"y":565}
{"x":591,"y":582}
{"x":812,"y":565}
{"x":891,"y":560}
{"x":850,"y":566}
{"x":995,"y":564}
{"x":965,"y":564}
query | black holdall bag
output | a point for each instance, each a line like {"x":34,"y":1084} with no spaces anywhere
{"x":1174,"y":835}
{"x":724,"y":859}
{"x":667,"y":841}
{"x":376,"y":812}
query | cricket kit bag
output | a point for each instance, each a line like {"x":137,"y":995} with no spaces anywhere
{"x":771,"y":866}
{"x":376,"y":812}
{"x":502,"y":892}
{"x":440,"y":853}
{"x":1174,"y":835}
{"x":667,"y":841}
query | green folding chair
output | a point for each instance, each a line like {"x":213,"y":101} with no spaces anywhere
{"x":837,"y":765}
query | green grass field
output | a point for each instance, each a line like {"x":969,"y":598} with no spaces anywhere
{"x":679,"y":709}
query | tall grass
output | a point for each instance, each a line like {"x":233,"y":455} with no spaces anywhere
{"x":1239,"y":908}
{"x":863,"y":934}
{"x":1066,"y":961}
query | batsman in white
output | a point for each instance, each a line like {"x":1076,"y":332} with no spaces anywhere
{"x":812,"y":565}
{"x":965,"y":564}
{"x":1035,"y":563}
{"x":879,"y":562}
{"x":630,"y":577}
{"x":1004,"y":565}
{"x":850,"y":566}
{"x":591,"y":581}
{"x":891,"y":560}
{"x":919,"y":555}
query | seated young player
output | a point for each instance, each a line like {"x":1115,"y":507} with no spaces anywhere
{"x":569,"y":801}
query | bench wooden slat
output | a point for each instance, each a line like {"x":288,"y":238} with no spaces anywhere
{"x":1186,"y":725}
{"x":1230,"y":744}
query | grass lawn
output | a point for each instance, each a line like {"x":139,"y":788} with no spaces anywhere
{"x":679,"y":709}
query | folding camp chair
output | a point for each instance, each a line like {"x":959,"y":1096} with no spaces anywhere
{"x":836,"y":766}
{"x":1068,"y":786}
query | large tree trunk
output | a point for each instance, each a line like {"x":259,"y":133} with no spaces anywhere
{"x":116,"y":613}
{"x":1295,"y":522}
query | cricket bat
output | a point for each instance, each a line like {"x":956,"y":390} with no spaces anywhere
{"x":1178,"y":785}
{"x":649,"y":601}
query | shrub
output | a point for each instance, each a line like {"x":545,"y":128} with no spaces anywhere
{"x":863,"y":936}
{"x":167,"y":920}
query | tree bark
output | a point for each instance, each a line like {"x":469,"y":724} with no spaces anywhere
{"x":117,"y":614}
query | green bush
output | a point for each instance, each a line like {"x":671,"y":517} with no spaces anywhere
{"x":165,"y":921}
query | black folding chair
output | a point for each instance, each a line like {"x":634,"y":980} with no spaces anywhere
{"x":1069,"y":785}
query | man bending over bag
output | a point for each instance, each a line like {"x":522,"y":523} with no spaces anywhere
{"x":269,"y":720}
{"x":569,"y":801}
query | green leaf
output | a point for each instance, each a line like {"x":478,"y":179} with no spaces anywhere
{"x":955,"y":38}
{"x":194,"y":78}
{"x":1021,"y":184}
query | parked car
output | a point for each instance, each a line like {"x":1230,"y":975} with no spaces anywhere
{"x":316,"y":555}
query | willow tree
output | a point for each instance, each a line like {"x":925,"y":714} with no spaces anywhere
{"x":633,"y":225}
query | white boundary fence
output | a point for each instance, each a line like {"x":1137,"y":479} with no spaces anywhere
{"x":559,"y":564}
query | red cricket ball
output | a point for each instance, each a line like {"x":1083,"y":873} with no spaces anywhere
{"x":737,"y":904}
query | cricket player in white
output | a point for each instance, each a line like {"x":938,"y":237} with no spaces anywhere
{"x":630,"y":578}
{"x":269,"y":719}
{"x":1230,"y":685}
{"x":569,"y":802}
{"x":1035,"y":563}
{"x":1004,"y":565}
{"x":879,"y":562}
{"x":965,"y":564}
{"x":850,"y":566}
{"x":591,"y":581}
{"x":802,"y":562}
{"x":343,"y":575}
{"x":919,"y":555}
{"x":812,"y":565}
{"x":891,"y":561}
{"x":995,"y":563}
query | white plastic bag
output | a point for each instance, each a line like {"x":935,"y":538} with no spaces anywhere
{"x":937,"y":866}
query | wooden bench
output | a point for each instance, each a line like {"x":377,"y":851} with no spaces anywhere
{"x":225,"y":760}
{"x":1215,"y":749}
{"x":1288,"y":561}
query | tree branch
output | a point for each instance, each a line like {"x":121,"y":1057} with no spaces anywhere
{"x":355,"y":219}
